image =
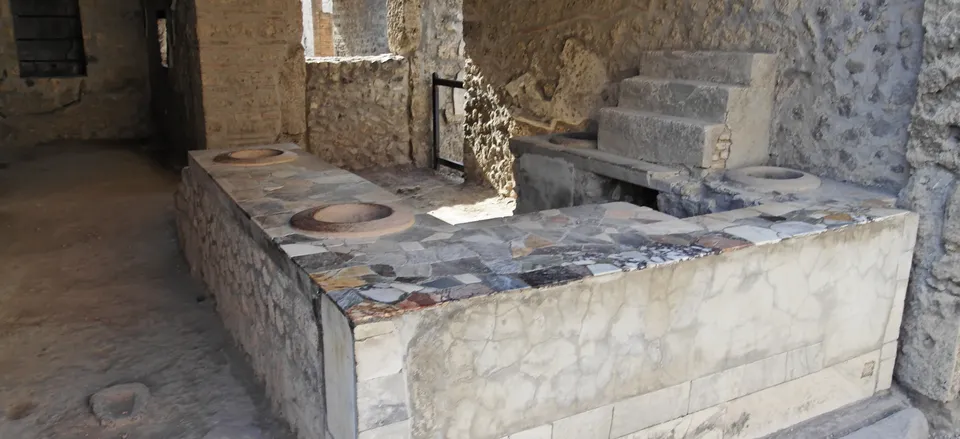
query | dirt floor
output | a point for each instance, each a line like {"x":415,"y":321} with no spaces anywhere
{"x":441,"y":195}
{"x":94,"y":292}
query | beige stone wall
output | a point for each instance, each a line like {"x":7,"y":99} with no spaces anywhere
{"x":110,"y":102}
{"x":358,"y":114}
{"x":847,"y":70}
{"x":252,"y":71}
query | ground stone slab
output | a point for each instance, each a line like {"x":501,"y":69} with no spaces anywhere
{"x":231,"y":432}
{"x":905,"y":424}
{"x":120,"y":403}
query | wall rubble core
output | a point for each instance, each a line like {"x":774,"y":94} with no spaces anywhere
{"x":358,"y":110}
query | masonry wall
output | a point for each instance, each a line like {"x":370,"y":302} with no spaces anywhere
{"x":359,"y":110}
{"x":252,"y":71}
{"x":929,"y":363}
{"x":110,"y":102}
{"x":847,"y":70}
{"x":429,"y":33}
{"x":265,"y":303}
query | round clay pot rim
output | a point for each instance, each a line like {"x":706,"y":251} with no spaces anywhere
{"x":267,"y":156}
{"x":398,"y":220}
{"x":774,"y":179}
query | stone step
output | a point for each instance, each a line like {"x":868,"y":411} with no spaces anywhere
{"x":665,"y":140}
{"x":707,"y":101}
{"x":735,"y":68}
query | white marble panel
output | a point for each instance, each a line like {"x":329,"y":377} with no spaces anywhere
{"x":804,"y":361}
{"x":339,"y":371}
{"x":541,"y":432}
{"x":488,"y":367}
{"x":896,"y":313}
{"x":379,"y":356}
{"x":669,"y":227}
{"x":653,"y":408}
{"x":400,"y":430}
{"x":594,"y":424}
{"x":738,"y":381}
{"x":754,"y":234}
{"x":773,"y":409}
{"x":778,"y":209}
{"x":368,"y":330}
{"x":381,"y":401}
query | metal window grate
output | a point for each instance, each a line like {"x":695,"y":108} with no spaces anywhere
{"x":49,"y":38}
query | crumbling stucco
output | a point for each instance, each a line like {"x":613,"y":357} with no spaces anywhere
{"x":930,"y":337}
{"x":358,"y":112}
{"x":847,"y":70}
{"x":110,"y":102}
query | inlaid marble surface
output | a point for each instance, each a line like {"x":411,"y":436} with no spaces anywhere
{"x":434,"y":262}
{"x":570,"y":323}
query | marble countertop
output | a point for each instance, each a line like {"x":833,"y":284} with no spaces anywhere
{"x":434,"y":262}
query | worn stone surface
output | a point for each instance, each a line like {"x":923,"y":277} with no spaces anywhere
{"x":930,"y":337}
{"x":267,"y":311}
{"x":659,"y":139}
{"x":110,"y":102}
{"x":906,"y":424}
{"x":228,"y":432}
{"x":849,"y":419}
{"x":105,"y":298}
{"x":120,"y":404}
{"x":847,"y":70}
{"x":358,"y":114}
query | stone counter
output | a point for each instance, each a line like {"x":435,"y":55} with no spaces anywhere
{"x":591,"y":321}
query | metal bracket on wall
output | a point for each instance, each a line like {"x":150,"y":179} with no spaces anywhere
{"x":437,"y":83}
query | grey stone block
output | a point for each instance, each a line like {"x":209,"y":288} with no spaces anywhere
{"x":740,"y":68}
{"x":705,"y":101}
{"x":905,"y":424}
{"x":665,"y":140}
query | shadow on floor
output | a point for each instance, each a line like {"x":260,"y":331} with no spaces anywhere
{"x":94,"y":292}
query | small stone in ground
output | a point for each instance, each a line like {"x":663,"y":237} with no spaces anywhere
{"x":119,"y":404}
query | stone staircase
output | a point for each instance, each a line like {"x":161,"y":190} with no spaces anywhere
{"x":707,"y":110}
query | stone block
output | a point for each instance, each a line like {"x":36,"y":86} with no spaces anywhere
{"x":739,"y":68}
{"x":539,"y":190}
{"x":772,"y":409}
{"x":594,"y":424}
{"x":656,"y":138}
{"x":639,"y":412}
{"x":704,"y":101}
